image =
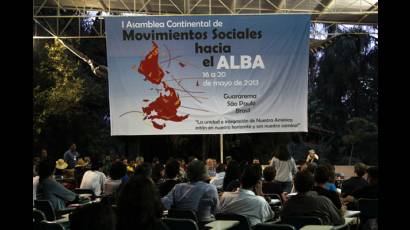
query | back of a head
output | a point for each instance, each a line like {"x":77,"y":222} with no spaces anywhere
{"x":321,"y":174}
{"x":269,"y":173}
{"x":118,"y":170}
{"x":93,"y":216}
{"x":233,"y":171}
{"x":139,"y":205}
{"x":196,"y":171}
{"x":311,"y":167}
{"x":303,"y":181}
{"x":360,"y":169}
{"x":251,"y":176}
{"x":283,"y":153}
{"x":373,"y":173}
{"x":220,"y":168}
{"x":157,"y":170}
{"x":46,"y":168}
{"x":172,"y":168}
{"x":96,"y":164}
{"x":144,"y":169}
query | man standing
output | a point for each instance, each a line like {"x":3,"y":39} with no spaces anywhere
{"x":71,"y":156}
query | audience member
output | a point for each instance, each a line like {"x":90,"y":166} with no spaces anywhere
{"x":309,"y":203}
{"x":232,"y":175}
{"x":171,"y":174}
{"x":321,"y":177}
{"x":49,"y":189}
{"x":93,"y":216}
{"x":285,"y":168}
{"x":144,"y":169}
{"x":139,"y":206}
{"x":331,"y":183}
{"x":60,"y":166}
{"x":94,"y":179}
{"x":248,"y":200}
{"x":210,"y":167}
{"x":79,"y":170}
{"x":269,"y":184}
{"x":195,"y":195}
{"x":369,"y":191}
{"x":117,"y":172}
{"x":355,"y":182}
{"x":219,"y":177}
{"x":158,"y":173}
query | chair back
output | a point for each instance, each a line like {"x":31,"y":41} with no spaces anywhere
{"x":180,"y":224}
{"x":81,"y":191}
{"x":275,"y":196}
{"x":243,"y":221}
{"x":47,"y":225}
{"x":368,"y":208}
{"x":45,"y":207}
{"x":38,"y":216}
{"x":299,"y":221}
{"x":273,"y":227}
{"x":182,"y":214}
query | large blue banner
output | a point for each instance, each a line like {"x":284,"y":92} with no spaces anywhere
{"x":208,"y":74}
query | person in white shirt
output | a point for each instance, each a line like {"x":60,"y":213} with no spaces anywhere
{"x":94,"y":179}
{"x":285,"y":168}
{"x":248,"y":200}
{"x":218,"y":180}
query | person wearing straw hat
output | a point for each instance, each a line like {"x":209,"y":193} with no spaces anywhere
{"x":79,"y":170}
{"x":312,"y":156}
{"x":61,"y":165}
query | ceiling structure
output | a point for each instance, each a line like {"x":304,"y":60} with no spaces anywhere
{"x":56,"y":16}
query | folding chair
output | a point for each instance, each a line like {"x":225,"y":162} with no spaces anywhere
{"x":243,"y":221}
{"x":180,"y":224}
{"x":273,"y":227}
{"x":299,"y":221}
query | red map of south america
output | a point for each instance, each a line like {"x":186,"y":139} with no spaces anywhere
{"x":166,"y":105}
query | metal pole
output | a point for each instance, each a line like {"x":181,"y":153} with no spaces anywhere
{"x":221,"y":147}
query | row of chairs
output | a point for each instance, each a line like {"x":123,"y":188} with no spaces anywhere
{"x":40,"y":222}
{"x":367,"y":207}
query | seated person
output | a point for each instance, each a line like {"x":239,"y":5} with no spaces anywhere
{"x":309,"y":203}
{"x":232,"y":175}
{"x":117,"y":171}
{"x":219,"y":177}
{"x":369,"y":191}
{"x":171,"y":174}
{"x":269,"y":185}
{"x":49,"y":189}
{"x":321,"y":177}
{"x":139,"y":205}
{"x":79,"y":170}
{"x":331,"y":183}
{"x":355,"y":182}
{"x":93,"y":216}
{"x":158,"y":173}
{"x":94,"y":178}
{"x":248,"y":200}
{"x":196,"y":195}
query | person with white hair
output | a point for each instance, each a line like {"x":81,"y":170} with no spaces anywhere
{"x":312,"y":156}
